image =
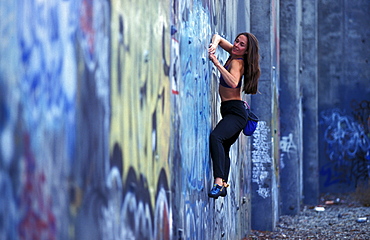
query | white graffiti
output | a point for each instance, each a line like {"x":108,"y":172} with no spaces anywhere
{"x":286,"y":146}
{"x":130,"y":215}
{"x":111,"y":223}
{"x":264,"y":192}
{"x":261,"y":160}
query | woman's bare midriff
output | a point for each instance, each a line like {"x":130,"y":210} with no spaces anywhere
{"x":228,"y":94}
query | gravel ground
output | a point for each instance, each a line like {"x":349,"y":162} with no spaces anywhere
{"x":342,"y":218}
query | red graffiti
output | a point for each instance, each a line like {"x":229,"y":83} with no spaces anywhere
{"x":38,"y":221}
{"x":86,"y":23}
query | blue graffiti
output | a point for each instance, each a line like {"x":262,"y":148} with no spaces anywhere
{"x":48,"y":84}
{"x":195,"y":113}
{"x":37,"y":127}
{"x":347,"y":146}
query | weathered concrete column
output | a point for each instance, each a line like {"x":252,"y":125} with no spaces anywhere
{"x":309,"y":85}
{"x":265,"y":149}
{"x":290,"y":106}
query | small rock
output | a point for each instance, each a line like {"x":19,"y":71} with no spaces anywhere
{"x":361,"y":220}
{"x":319,"y":209}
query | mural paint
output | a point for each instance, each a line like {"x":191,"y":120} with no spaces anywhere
{"x":9,"y":124}
{"x":191,"y":101}
{"x":347,"y":143}
{"x":90,"y":179}
{"x":261,"y":160}
{"x":193,"y":118}
{"x":195,"y":111}
{"x":37,"y":135}
{"x":105,"y":117}
{"x":195,"y":100}
{"x":140,"y":120}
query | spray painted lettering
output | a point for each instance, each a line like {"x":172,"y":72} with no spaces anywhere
{"x":261,"y":159}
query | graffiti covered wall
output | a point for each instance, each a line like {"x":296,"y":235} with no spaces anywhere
{"x":38,"y":73}
{"x":347,"y":145}
{"x":106,"y":109}
{"x":195,"y":100}
{"x":344,"y":95}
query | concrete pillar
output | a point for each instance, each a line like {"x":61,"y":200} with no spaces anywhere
{"x":244,"y":183}
{"x":265,"y":151}
{"x":290,"y":106}
{"x":310,"y":103}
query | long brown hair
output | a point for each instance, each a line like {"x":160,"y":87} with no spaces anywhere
{"x":252,"y":71}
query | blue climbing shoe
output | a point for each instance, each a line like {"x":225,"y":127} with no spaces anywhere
{"x":217,"y":191}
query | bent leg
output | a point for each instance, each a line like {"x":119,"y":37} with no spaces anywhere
{"x":221,"y":138}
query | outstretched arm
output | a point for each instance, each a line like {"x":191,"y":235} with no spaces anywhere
{"x":217,"y":40}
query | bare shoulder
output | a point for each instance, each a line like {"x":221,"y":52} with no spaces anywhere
{"x":237,"y":63}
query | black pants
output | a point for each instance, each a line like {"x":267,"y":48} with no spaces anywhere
{"x":234,"y":119}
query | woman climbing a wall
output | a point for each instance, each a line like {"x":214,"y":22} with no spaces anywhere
{"x":243,"y":61}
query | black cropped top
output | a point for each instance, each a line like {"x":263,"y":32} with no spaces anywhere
{"x":222,"y":80}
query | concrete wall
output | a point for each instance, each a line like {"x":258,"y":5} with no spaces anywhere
{"x":290,"y":106}
{"x":265,"y":146}
{"x":309,"y":90}
{"x":106,"y":108}
{"x":344,"y":94}
{"x":195,"y":111}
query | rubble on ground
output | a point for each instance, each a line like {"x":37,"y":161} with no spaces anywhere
{"x":337,"y":217}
